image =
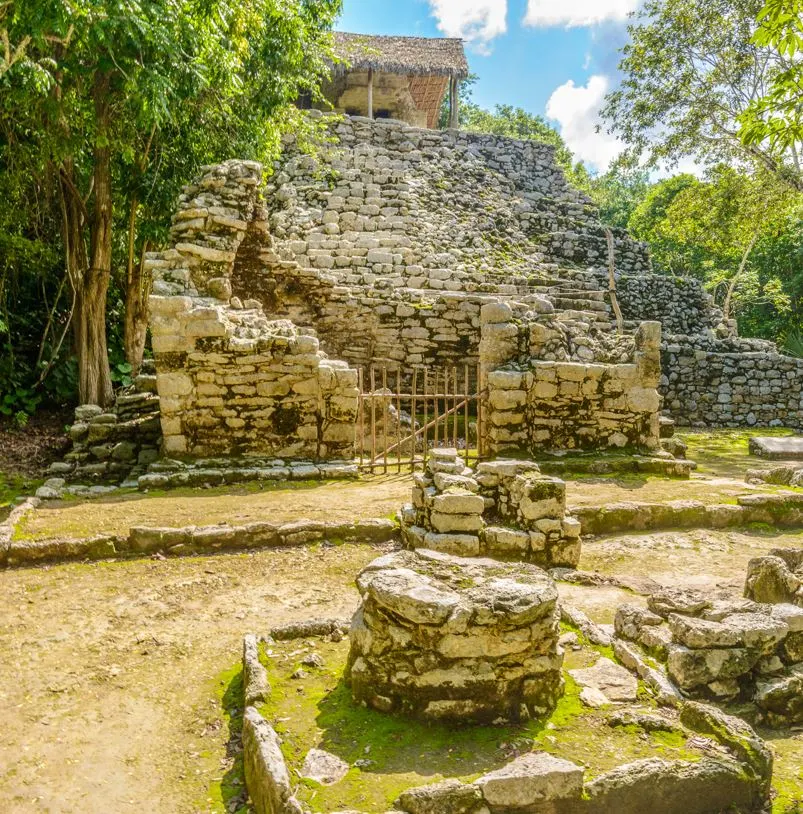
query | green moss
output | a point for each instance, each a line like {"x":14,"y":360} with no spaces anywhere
{"x":13,"y":487}
{"x":227,"y":794}
{"x":396,"y":752}
{"x":725,"y":452}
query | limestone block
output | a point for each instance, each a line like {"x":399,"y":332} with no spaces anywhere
{"x":530,"y":779}
{"x":456,"y":522}
{"x":458,"y":501}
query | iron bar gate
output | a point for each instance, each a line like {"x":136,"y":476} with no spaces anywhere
{"x":404,"y":413}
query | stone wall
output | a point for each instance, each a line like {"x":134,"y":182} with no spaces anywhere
{"x":732,"y":382}
{"x":384,"y":245}
{"x":406,"y":233}
{"x":542,"y":397}
{"x":229,"y":379}
{"x":680,"y":304}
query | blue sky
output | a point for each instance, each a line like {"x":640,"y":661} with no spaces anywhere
{"x":553,"y":57}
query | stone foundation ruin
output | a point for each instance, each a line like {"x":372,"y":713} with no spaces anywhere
{"x":505,"y":510}
{"x":386,"y":245}
{"x":449,"y":638}
{"x":733,"y":649}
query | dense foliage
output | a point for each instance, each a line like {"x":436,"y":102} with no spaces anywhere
{"x":106,"y":108}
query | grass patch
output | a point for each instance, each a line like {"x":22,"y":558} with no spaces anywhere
{"x":389,"y":753}
{"x":725,"y":452}
{"x":13,"y":487}
{"x":229,"y":793}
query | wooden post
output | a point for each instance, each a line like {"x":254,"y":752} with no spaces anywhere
{"x":453,"y":103}
{"x":370,"y":93}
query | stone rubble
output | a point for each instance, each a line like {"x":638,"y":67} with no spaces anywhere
{"x":745,"y":649}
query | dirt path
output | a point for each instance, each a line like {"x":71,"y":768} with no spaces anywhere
{"x":334,"y":501}
{"x":109,"y":673}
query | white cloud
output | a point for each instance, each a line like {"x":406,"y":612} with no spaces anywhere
{"x":478,"y":22}
{"x":569,"y":13}
{"x":576,"y":110}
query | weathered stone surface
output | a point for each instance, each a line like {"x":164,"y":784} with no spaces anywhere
{"x":677,"y":600}
{"x":674,"y":787}
{"x":323,"y":767}
{"x":630,"y":619}
{"x":533,"y":778}
{"x":266,"y":774}
{"x":412,"y":596}
{"x":448,"y":797}
{"x":733,"y":733}
{"x":693,"y":668}
{"x":449,"y":638}
{"x":784,"y":448}
{"x":256,"y":686}
{"x":698,"y":633}
{"x":613,"y":681}
{"x":782,"y":697}
{"x":757,"y":630}
{"x":770,"y":579}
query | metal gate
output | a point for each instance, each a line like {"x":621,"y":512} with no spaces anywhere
{"x":405,"y":413}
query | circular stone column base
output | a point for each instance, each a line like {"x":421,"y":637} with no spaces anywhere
{"x":450,"y":638}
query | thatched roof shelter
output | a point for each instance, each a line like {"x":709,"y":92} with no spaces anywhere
{"x":413,"y":56}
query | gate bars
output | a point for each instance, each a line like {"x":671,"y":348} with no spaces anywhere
{"x":424,"y":407}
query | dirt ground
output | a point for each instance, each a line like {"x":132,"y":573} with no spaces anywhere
{"x":112,"y":674}
{"x":333,"y":501}
{"x":379,"y":496}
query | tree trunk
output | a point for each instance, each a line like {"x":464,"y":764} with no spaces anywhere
{"x":94,"y":375}
{"x":136,"y":298}
{"x":726,"y":306}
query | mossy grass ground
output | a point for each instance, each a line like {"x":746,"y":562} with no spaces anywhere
{"x":726,"y":452}
{"x":389,"y":753}
{"x":12,"y":488}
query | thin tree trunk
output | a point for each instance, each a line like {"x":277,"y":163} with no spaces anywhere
{"x":136,"y":297}
{"x":726,"y":306}
{"x":94,"y":375}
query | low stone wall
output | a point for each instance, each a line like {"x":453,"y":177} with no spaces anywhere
{"x":784,"y":510}
{"x":730,"y":383}
{"x":189,"y":540}
{"x":117,"y":444}
{"x":537,"y":404}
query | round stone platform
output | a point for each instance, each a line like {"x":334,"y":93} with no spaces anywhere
{"x":450,"y":638}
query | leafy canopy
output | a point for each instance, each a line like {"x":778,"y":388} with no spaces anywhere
{"x":691,"y":72}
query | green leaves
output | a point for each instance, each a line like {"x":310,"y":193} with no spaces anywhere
{"x":693,"y":84}
{"x":775,"y":118}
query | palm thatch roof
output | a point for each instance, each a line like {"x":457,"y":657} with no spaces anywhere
{"x":419,"y":56}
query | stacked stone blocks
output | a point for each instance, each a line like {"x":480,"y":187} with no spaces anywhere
{"x":448,"y":638}
{"x":229,"y":379}
{"x":506,"y":510}
{"x":724,"y":649}
{"x":536,"y":402}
